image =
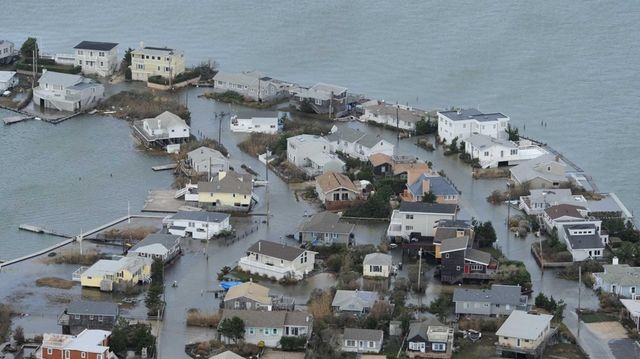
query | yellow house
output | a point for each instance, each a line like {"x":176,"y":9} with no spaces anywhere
{"x":156,"y":61}
{"x":228,"y":189}
{"x":107,"y":272}
{"x":524,"y":333}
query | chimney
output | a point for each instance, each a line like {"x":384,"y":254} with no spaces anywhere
{"x":260,"y":246}
{"x":614,"y":261}
{"x":557,"y":158}
{"x":159,"y":127}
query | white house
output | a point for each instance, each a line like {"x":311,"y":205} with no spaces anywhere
{"x":197,"y":224}
{"x":358,"y":144}
{"x":354,"y":301}
{"x":269,"y":327}
{"x":497,"y":152}
{"x":277,"y":260}
{"x":149,"y":61}
{"x":321,"y":98}
{"x":524,"y":333}
{"x":358,"y":340}
{"x":65,"y":92}
{"x":7,"y":52}
{"x":619,"y":279}
{"x":539,"y":199}
{"x":8,"y":79}
{"x":100,"y":58}
{"x":419,"y":218}
{"x":584,"y":240}
{"x":396,"y":116}
{"x":251,"y":84}
{"x":269,"y":125}
{"x":464,"y":123}
{"x":546,"y":171}
{"x":377,"y":265}
{"x":336,"y":190}
{"x":157,"y":246}
{"x":207,"y":160}
{"x":162,"y":131}
{"x":312,"y":154}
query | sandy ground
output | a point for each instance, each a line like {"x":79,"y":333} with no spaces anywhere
{"x":608,"y":330}
{"x":275,"y":354}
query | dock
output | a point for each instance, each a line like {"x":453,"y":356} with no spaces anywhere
{"x":36,"y":229}
{"x":15,"y":119}
{"x":166,"y":167}
{"x":58,"y":120}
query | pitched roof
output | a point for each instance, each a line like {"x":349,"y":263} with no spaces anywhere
{"x":165,"y":240}
{"x":454,"y":244}
{"x":321,"y":91}
{"x":403,"y":113}
{"x":227,"y":355}
{"x":332,"y":180}
{"x":498,"y":294}
{"x":415,"y":167}
{"x":93,"y":308}
{"x":5,"y":76}
{"x":477,"y":256}
{"x":424,"y":207}
{"x":327,"y":222}
{"x":354,"y":300}
{"x":251,"y":290}
{"x":268,"y":319}
{"x":420,"y":328}
{"x":438,"y":185}
{"x":620,"y":274}
{"x":377,"y":259}
{"x":58,"y":78}
{"x":165,"y":120}
{"x":363,"y":334}
{"x":276,"y":250}
{"x":89,"y":340}
{"x":231,"y":182}
{"x":523,"y":325}
{"x":562,"y":210}
{"x":202,"y":216}
{"x":531,"y":169}
{"x":472,"y":114}
{"x":378,"y":159}
{"x":96,"y":45}
{"x":583,"y":241}
{"x":351,"y":135}
{"x":483,"y":141}
{"x":204,"y":153}
{"x":454,"y":223}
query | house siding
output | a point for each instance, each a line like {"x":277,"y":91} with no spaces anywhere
{"x":452,"y":267}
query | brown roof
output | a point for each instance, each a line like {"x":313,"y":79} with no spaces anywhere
{"x":231,"y":182}
{"x":333,"y":180}
{"x":273,"y":249}
{"x":564,"y":210}
{"x":420,"y":167}
{"x":249,"y":290}
{"x":378,"y":159}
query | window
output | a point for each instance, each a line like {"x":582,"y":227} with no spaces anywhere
{"x":91,"y":317}
{"x":458,"y":268}
{"x":236,"y":304}
{"x":100,"y":318}
{"x":67,"y":354}
{"x":318,"y":102}
{"x":351,"y":343}
{"x":266,"y":331}
{"x":166,"y":69}
{"x":83,"y":354}
{"x":101,"y":53}
{"x":514,"y":152}
{"x":375,"y":269}
{"x":408,"y":228}
{"x":371,"y":344}
{"x":409,"y":216}
{"x":79,"y":52}
{"x":252,"y":331}
{"x":99,"y":356}
{"x":102,"y":63}
{"x":446,"y":255}
{"x":49,"y":351}
{"x":438,"y":347}
{"x":486,"y":153}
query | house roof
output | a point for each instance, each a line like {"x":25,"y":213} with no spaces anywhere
{"x":454,"y":244}
{"x":332,"y":180}
{"x":110,"y":266}
{"x":583,"y":241}
{"x":93,"y":308}
{"x":438,"y":185}
{"x":89,"y":340}
{"x":227,"y":355}
{"x":231,"y":182}
{"x":403,"y":113}
{"x":378,"y":159}
{"x":276,"y":250}
{"x":166,"y":120}
{"x":304,"y":138}
{"x":477,"y":256}
{"x":96,"y":45}
{"x":5,"y":76}
{"x":530,"y":169}
{"x":268,"y":319}
{"x":321,"y":91}
{"x":327,"y":222}
{"x":523,"y":325}
{"x":633,"y":306}
{"x":454,"y":223}
{"x":251,"y":290}
{"x":472,"y":114}
{"x":498,"y":294}
{"x":562,"y":210}
{"x":322,"y":158}
{"x":351,"y":135}
{"x":363,"y":334}
{"x":483,"y":141}
{"x":58,"y":78}
{"x":354,"y":300}
{"x":165,"y":240}
{"x":424,"y":207}
{"x":620,"y":274}
{"x":377,"y":259}
{"x":152,"y":50}
{"x":419,"y":329}
{"x":204,"y":153}
{"x":202,"y":216}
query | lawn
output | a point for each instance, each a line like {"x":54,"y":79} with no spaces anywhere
{"x":563,"y":351}
{"x":598,"y":317}
{"x":482,"y":349}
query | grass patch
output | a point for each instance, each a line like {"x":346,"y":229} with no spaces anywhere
{"x":598,"y":317}
{"x":5,"y":321}
{"x":54,"y":282}
{"x":482,"y":349}
{"x":238,"y":99}
{"x":133,"y":105}
{"x":564,"y":350}
{"x":74,"y":257}
{"x":196,"y":318}
{"x":137,"y":233}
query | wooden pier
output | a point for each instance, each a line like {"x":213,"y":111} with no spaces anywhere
{"x":36,"y":229}
{"x":15,"y":119}
{"x":166,"y":167}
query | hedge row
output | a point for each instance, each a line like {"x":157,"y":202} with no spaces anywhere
{"x":185,"y":76}
{"x":67,"y":69}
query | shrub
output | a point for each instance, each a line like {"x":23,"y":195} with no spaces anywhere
{"x":199,"y":319}
{"x":293,"y":343}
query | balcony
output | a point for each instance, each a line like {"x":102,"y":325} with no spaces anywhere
{"x":77,"y":274}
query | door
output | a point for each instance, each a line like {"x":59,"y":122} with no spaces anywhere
{"x":42,"y":103}
{"x":518,"y":343}
{"x":467,"y":268}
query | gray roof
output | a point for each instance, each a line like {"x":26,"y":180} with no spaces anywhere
{"x":404,"y":114}
{"x":620,"y":274}
{"x":583,"y":241}
{"x":268,"y":319}
{"x":478,"y":256}
{"x":320,"y":91}
{"x":483,"y":141}
{"x":377,"y":259}
{"x":454,"y":223}
{"x":498,"y":294}
{"x":363,"y":334}
{"x":529,"y":170}
{"x":524,"y":326}
{"x":58,"y":78}
{"x":351,"y":135}
{"x":167,"y":240}
{"x":204,"y":153}
{"x":93,"y":308}
{"x":354,"y":300}
{"x":276,"y":250}
{"x":454,"y":244}
{"x":96,"y":45}
{"x":472,"y":114}
{"x":421,"y":328}
{"x":424,"y":207}
{"x":438,"y":185}
{"x":5,"y":76}
{"x":327,"y":222}
{"x":232,"y":182}
{"x":227,"y":355}
{"x":203,"y":216}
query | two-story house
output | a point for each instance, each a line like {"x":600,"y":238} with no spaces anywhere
{"x":312,"y":154}
{"x":419,"y":219}
{"x":427,"y":183}
{"x":89,"y":344}
{"x":584,"y":240}
{"x":524,"y":334}
{"x":8,"y":52}
{"x":356,"y":340}
{"x":162,"y":131}
{"x":498,"y":301}
{"x":538,"y":200}
{"x":149,"y":61}
{"x":619,"y":279}
{"x":207,"y":160}
{"x":336,"y":190}
{"x":248,"y":296}
{"x":157,"y":246}
{"x":429,"y":339}
{"x":227,"y":191}
{"x":546,"y":171}
{"x":395,"y":116}
{"x":321,"y":98}
{"x":498,"y":152}
{"x":99,"y":58}
{"x":197,"y":224}
{"x":82,"y":314}
{"x":325,"y":228}
{"x":462,"y":124}
{"x":459,"y":261}
{"x":358,"y":144}
{"x":377,"y":265}
{"x":277,"y":260}
{"x":115,"y":274}
{"x":447,"y":229}
{"x":66,"y":92}
{"x":269,"y":327}
{"x":253,"y":85}
{"x":8,"y":79}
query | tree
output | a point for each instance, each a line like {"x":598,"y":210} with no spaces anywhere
{"x":157,"y":271}
{"x":429,"y":197}
{"x":28,"y":48}
{"x":485,"y":233}
{"x":513,"y":133}
{"x":119,"y":338}
{"x":18,"y":335}
{"x":232,"y":328}
{"x":461,"y":146}
{"x":153,"y":300}
{"x":541,"y":301}
{"x":426,"y":127}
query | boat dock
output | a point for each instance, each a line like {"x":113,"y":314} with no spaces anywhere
{"x":70,"y":240}
{"x":166,"y":167}
{"x":15,"y":119}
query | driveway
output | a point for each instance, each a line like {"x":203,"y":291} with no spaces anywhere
{"x":615,"y":335}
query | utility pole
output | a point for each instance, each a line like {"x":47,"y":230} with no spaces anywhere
{"x":398,"y":119}
{"x":266,"y":185}
{"x":80,"y":240}
{"x":220,"y":128}
{"x":579,"y":295}
{"x":128,"y":212}
{"x":331,"y":105}
{"x":419,"y":268}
